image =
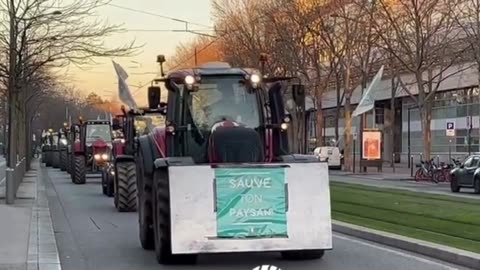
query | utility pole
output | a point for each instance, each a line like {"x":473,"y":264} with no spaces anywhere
{"x":196,"y":60}
{"x":12,"y":100}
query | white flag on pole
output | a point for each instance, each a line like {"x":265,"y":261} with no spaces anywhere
{"x":367,"y":102}
{"x":123,"y":90}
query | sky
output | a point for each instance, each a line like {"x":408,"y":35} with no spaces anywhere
{"x":101,"y":78}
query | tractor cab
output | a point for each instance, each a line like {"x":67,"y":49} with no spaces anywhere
{"x":219,"y":114}
{"x":92,"y":148}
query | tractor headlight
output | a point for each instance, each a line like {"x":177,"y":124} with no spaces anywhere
{"x":284,"y":126}
{"x":98,"y":156}
{"x":255,"y":79}
{"x":112,"y":172}
{"x":63,"y":141}
{"x":105,"y":156}
{"x":189,"y":79}
{"x":122,"y":140}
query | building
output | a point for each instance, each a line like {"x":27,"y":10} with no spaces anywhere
{"x":457,"y":100}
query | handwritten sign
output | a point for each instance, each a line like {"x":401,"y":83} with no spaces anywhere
{"x":251,"y":202}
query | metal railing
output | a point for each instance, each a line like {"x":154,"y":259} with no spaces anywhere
{"x":14,"y":177}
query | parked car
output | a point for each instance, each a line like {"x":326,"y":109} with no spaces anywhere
{"x":331,"y":154}
{"x":466,"y":175}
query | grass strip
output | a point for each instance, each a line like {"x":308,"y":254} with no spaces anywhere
{"x":440,"y":219}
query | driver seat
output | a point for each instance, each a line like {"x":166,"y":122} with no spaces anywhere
{"x":235,"y":144}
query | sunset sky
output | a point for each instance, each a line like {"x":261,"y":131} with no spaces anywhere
{"x":142,"y":68}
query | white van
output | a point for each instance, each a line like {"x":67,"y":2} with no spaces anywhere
{"x":330,"y":153}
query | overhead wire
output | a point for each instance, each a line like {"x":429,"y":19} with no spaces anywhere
{"x":158,"y":15}
{"x":215,"y":39}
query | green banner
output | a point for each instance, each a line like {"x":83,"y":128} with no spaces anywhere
{"x":251,"y":202}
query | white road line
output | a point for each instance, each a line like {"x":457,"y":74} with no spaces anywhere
{"x":3,"y":180}
{"x":396,"y":252}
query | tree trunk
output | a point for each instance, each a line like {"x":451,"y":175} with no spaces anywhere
{"x":320,"y":124}
{"x":338,"y":87}
{"x":392,"y":118}
{"x":426,"y":117}
{"x":348,"y":150}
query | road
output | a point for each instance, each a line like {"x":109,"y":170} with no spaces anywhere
{"x":441,"y":188}
{"x":90,"y":234}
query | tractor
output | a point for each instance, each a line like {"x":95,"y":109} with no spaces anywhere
{"x":47,"y":141}
{"x":91,"y":149}
{"x":51,"y":149}
{"x":135,"y":123}
{"x":220,"y":178}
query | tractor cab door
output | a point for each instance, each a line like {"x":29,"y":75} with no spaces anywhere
{"x":277,"y":117}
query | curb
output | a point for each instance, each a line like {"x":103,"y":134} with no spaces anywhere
{"x":436,"y":251}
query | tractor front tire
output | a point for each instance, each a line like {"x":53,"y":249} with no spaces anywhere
{"x":48,"y":159}
{"x":79,"y":170}
{"x":56,"y":159}
{"x":69,"y":163}
{"x":126,"y":187}
{"x":63,"y":160}
{"x":161,"y":223}
{"x":301,"y":255}
{"x":145,"y":205}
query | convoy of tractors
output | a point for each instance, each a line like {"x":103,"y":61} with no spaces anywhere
{"x":209,"y":170}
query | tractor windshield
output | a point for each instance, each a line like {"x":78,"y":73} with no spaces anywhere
{"x":95,"y":132}
{"x":224,"y":98}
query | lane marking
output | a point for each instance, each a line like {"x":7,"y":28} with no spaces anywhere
{"x":396,"y":252}
{"x":3,"y":180}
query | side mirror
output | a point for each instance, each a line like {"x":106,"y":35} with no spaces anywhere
{"x":298,"y":93}
{"x":154,"y":95}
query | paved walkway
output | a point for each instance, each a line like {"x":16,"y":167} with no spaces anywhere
{"x":27,"y":241}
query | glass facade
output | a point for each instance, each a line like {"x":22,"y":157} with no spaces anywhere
{"x":456,"y":106}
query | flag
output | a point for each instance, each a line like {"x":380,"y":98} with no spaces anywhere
{"x":123,"y":90}
{"x":367,"y":102}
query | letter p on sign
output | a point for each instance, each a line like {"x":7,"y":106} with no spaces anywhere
{"x":266,"y":267}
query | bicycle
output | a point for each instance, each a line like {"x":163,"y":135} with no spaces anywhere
{"x":426,"y":171}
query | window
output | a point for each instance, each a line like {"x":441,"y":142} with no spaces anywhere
{"x":475,"y":161}
{"x":95,"y":132}
{"x":224,"y":98}
{"x":468,"y":162}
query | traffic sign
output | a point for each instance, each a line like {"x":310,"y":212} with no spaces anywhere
{"x":450,"y":129}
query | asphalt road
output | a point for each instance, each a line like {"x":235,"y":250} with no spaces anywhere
{"x":90,"y":234}
{"x":441,"y":188}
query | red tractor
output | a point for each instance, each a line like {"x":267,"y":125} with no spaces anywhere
{"x":91,"y":148}
{"x":118,"y":145}
{"x":219,"y":178}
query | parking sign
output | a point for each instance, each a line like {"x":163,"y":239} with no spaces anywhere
{"x":450,"y":129}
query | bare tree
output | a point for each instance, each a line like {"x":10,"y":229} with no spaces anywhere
{"x":426,"y":42}
{"x":44,"y":34}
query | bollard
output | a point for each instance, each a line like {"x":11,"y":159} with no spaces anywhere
{"x":10,"y":186}
{"x":411,"y":167}
{"x":393,"y":163}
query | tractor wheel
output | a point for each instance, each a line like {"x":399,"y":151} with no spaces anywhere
{"x":104,"y":183}
{"x":145,"y":203}
{"x":48,"y":159}
{"x":110,"y":185}
{"x":56,"y":159}
{"x":300,"y":255}
{"x":79,"y":170}
{"x":69,"y":163}
{"x":63,"y":160}
{"x":126,"y":187}
{"x":161,"y":223}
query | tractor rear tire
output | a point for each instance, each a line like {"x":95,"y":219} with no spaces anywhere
{"x":145,"y":205}
{"x":56,"y":159}
{"x":161,"y":223}
{"x":110,"y":185}
{"x":126,"y":187}
{"x":301,"y":255}
{"x":63,"y":160}
{"x":79,"y":170}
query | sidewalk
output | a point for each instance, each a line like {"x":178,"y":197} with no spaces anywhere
{"x":27,"y":241}
{"x":400,"y":173}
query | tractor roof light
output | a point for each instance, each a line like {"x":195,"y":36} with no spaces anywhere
{"x":286,"y":119}
{"x":255,"y":78}
{"x":284,"y":126}
{"x":189,"y":81}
